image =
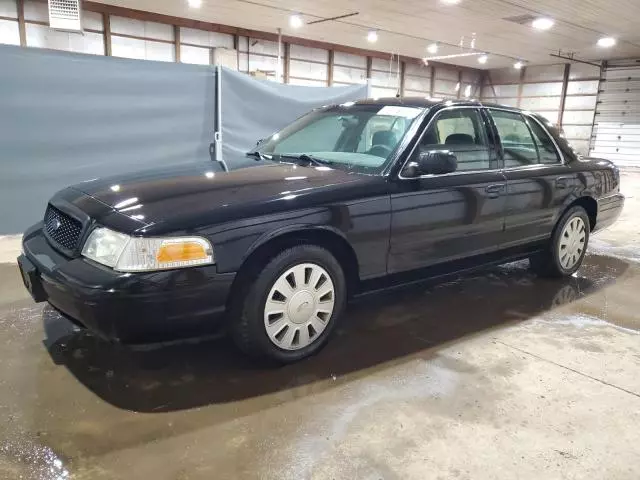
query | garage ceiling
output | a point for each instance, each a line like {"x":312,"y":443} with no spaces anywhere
{"x":406,"y":27}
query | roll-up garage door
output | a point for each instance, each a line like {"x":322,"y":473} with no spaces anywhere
{"x":617,"y":122}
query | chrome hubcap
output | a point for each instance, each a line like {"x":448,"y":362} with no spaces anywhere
{"x":572,"y":243}
{"x":299,"y":306}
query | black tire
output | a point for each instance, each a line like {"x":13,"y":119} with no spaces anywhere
{"x":548,"y":263}
{"x":247,"y":323}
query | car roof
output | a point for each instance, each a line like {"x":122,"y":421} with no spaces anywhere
{"x":428,"y":102}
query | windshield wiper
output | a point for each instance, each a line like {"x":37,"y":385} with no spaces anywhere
{"x":255,"y":154}
{"x":306,"y":159}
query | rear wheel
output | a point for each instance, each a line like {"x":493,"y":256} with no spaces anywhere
{"x":567,"y":247}
{"x":290,"y":309}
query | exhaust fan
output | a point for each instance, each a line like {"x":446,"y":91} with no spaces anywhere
{"x":65,"y":15}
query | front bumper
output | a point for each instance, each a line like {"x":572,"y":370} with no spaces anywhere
{"x":126,"y":307}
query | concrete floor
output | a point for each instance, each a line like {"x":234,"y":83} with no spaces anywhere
{"x":496,"y":375}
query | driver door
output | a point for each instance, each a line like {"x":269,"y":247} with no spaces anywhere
{"x":451,"y":216}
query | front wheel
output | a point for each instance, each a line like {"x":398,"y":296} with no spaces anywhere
{"x":289,"y":311}
{"x":566,"y":250}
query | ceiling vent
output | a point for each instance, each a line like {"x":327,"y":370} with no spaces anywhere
{"x":65,"y":15}
{"x":521,"y":19}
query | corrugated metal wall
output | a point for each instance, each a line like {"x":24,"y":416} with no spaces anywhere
{"x":616,"y":134}
{"x":565,"y":94}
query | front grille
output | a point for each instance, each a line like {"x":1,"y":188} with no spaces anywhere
{"x":62,"y":229}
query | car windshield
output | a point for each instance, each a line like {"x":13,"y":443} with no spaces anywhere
{"x":350,"y":136}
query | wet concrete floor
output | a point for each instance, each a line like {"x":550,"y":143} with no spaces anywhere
{"x":493,"y":375}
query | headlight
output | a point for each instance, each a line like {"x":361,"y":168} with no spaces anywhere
{"x":137,"y":254}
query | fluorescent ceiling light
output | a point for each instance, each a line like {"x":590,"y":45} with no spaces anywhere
{"x":606,"y":42}
{"x":372,"y":36}
{"x":295,"y":21}
{"x":450,"y":2}
{"x":195,"y":3}
{"x":483,"y":59}
{"x":432,"y":48}
{"x":542,"y":23}
{"x":518,"y":65}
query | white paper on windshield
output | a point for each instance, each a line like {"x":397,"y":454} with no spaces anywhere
{"x":399,"y":111}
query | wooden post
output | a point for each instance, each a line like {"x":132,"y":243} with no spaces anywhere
{"x":176,"y":39}
{"x":106,"y":21}
{"x":21,"y":26}
{"x":403,"y":68}
{"x":287,"y":62}
{"x":432,"y":81}
{"x":330,"y":69}
{"x":459,"y":92}
{"x":523,"y":70}
{"x":563,"y":95}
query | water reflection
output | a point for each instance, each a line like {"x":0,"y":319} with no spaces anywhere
{"x":375,"y":330}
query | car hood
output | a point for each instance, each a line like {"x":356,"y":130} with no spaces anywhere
{"x":187,"y":197}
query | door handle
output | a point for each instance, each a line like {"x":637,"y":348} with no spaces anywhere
{"x":562,"y":182}
{"x":494,"y":191}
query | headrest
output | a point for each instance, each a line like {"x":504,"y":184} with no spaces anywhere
{"x":459,"y":139}
{"x":384,"y":137}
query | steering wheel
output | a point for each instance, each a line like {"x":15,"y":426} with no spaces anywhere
{"x":380,"y":150}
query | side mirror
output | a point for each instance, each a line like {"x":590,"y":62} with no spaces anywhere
{"x":259,"y":142}
{"x":437,"y":162}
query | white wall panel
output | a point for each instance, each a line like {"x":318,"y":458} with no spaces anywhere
{"x":348,"y":75}
{"x":263,"y":46}
{"x":541,"y":103}
{"x":206,"y":39}
{"x":260,"y":62}
{"x":504,"y":75}
{"x":577,"y":131}
{"x":224,"y":40}
{"x":446,"y":73}
{"x":577,"y":117}
{"x":92,"y":21}
{"x":9,"y":8}
{"x":9,"y":32}
{"x":194,"y":36}
{"x":419,"y":84}
{"x":544,"y":73}
{"x":307,"y":53}
{"x":298,"y":68}
{"x":500,"y":91}
{"x":415,"y":69}
{"x":583,"y":87}
{"x":509,"y":102}
{"x":139,"y":28}
{"x":582,"y":70}
{"x":383,"y":79}
{"x":36,"y":11}
{"x":349,"y":60}
{"x":381,"y":92}
{"x":307,"y":82}
{"x":445,"y":87}
{"x":243,"y":43}
{"x":385,"y":64}
{"x":141,"y":49}
{"x":580,"y":103}
{"x":41,"y":36}
{"x":542,"y":89}
{"x":243,"y":62}
{"x":195,"y":55}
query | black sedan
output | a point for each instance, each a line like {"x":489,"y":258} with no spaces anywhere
{"x":347,"y":199}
